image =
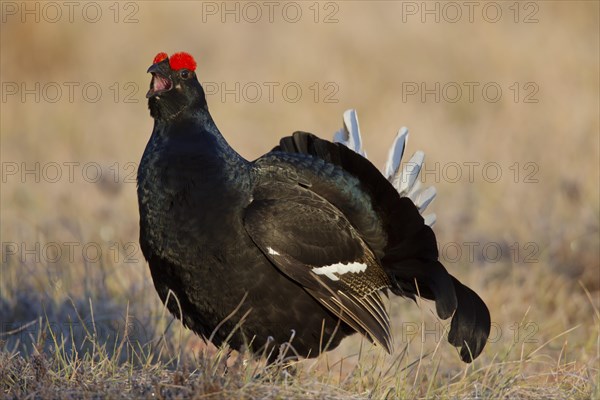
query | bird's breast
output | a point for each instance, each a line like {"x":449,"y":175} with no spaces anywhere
{"x":188,"y":208}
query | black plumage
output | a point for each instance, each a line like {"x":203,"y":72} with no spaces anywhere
{"x":298,"y":245}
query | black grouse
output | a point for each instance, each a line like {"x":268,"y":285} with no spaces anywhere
{"x":295,"y":247}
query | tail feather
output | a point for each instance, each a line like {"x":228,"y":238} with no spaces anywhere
{"x":428,"y":280}
{"x":470,"y":326}
{"x":395,"y":153}
{"x":410,"y":255}
{"x":424,"y":197}
{"x":405,"y":180}
{"x":430,"y":219}
{"x":471,"y":323}
{"x":349,"y":135}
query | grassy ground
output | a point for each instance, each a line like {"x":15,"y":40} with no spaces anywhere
{"x":517,"y":178}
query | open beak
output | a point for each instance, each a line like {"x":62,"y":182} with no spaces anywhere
{"x":160,"y":83}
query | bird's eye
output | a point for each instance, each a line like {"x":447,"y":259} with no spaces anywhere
{"x":185,"y":74}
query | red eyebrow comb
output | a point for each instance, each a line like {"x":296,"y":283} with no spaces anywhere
{"x":159,"y":57}
{"x":182,"y":60}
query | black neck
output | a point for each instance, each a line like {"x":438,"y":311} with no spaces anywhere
{"x":197,"y":127}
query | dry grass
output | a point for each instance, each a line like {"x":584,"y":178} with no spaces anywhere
{"x":75,"y":324}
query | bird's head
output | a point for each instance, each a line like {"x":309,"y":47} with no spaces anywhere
{"x":174,"y":88}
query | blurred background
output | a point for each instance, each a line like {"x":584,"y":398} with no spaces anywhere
{"x":502,"y":97}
